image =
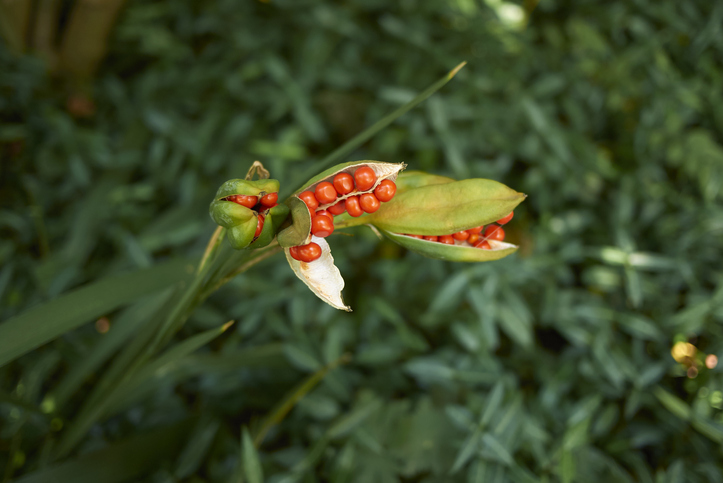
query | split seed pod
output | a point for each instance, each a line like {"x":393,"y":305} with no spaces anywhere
{"x":435,"y":207}
{"x":321,"y":275}
{"x":241,"y":222}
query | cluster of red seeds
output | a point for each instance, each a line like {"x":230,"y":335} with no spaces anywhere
{"x":322,"y":221}
{"x":258,"y":205}
{"x":477,"y":237}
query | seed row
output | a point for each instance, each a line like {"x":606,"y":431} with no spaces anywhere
{"x":477,"y":237}
{"x":326,"y":193}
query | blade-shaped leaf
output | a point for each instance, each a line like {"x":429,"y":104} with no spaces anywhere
{"x":122,"y":461}
{"x":252,"y":464}
{"x":45,"y":322}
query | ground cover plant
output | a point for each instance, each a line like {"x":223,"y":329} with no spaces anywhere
{"x":588,"y":355}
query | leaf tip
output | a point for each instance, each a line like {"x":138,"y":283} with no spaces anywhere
{"x":454,"y":71}
{"x":227,"y":325}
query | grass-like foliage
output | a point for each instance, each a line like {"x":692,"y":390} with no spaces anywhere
{"x":590,"y":355}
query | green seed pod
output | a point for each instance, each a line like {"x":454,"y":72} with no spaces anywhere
{"x":459,"y":252}
{"x":247,"y":188}
{"x":241,"y":222}
{"x":274,"y":218}
{"x":443,"y":209}
{"x":299,"y":230}
{"x":240,"y":236}
{"x":229,"y":214}
{"x":416,"y":179}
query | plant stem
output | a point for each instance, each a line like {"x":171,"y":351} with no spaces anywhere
{"x":85,"y":38}
{"x":14,"y":20}
{"x":46,"y":24}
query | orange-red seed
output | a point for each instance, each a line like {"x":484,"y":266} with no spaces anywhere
{"x":344,"y":183}
{"x":369,"y":203}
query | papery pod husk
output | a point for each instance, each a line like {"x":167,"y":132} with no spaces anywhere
{"x":274,"y":218}
{"x":248,"y":188}
{"x":444,"y":209}
{"x":459,"y":252}
{"x":321,"y":275}
{"x":416,"y":179}
{"x":299,"y":230}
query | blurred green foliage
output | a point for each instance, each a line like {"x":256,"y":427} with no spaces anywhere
{"x":551,"y":365}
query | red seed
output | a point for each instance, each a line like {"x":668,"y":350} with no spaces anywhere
{"x":483,"y":244}
{"x":386,"y":190}
{"x":473,"y":238}
{"x":369,"y":202}
{"x":322,"y":226}
{"x":416,"y":236}
{"x":365,"y":178}
{"x":337,"y":209}
{"x":473,"y":231}
{"x":243,"y":200}
{"x":353,"y":207}
{"x":259,"y":225}
{"x":494,"y":232}
{"x":344,"y":183}
{"x":294,"y":252}
{"x":325,"y":213}
{"x":308,"y":253}
{"x":461,"y":235}
{"x":448,"y":239}
{"x":269,"y":200}
{"x":430,"y":238}
{"x":506,"y":219}
{"x":310,"y":199}
{"x":325,"y":192}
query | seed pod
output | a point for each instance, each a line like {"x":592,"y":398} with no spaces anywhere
{"x":444,"y":208}
{"x":248,"y":188}
{"x":274,"y":218}
{"x":459,"y":252}
{"x":416,"y":179}
{"x":240,"y":221}
{"x":321,"y":275}
{"x":299,"y":230}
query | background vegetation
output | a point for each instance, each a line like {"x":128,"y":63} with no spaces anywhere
{"x":557,"y":364}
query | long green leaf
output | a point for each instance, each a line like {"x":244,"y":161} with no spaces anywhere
{"x":128,"y":390}
{"x":43,"y":323}
{"x":367,"y":134}
{"x":122,"y":329}
{"x":251,"y":462}
{"x":122,"y":461}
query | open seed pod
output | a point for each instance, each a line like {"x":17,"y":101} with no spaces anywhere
{"x":249,"y":223}
{"x":321,"y":275}
{"x":432,"y":205}
{"x":459,"y":252}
